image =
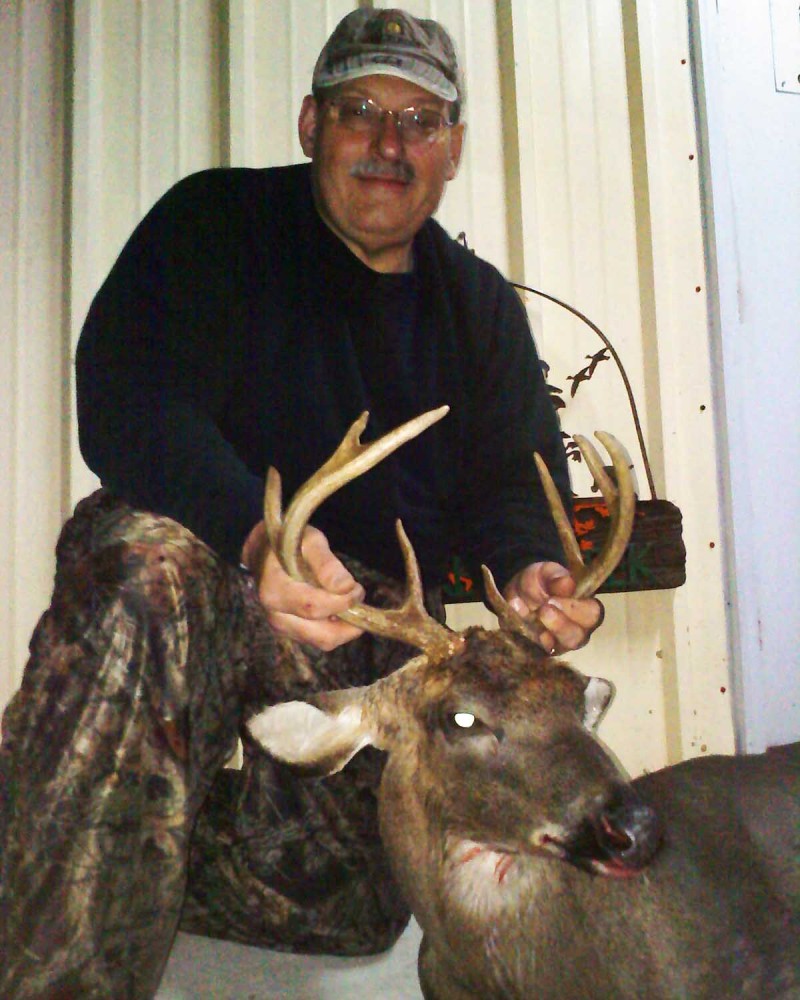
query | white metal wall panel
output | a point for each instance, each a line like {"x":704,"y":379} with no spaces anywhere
{"x":577,"y":212}
{"x":753,"y":164}
{"x":146,"y":112}
{"x":583,"y":236}
{"x":577,"y":197}
{"x":704,"y":690}
{"x":273,"y":49}
{"x":31,"y":306}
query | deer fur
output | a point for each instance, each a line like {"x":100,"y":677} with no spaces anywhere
{"x":533,"y":866}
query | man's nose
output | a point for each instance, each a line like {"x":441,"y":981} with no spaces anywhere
{"x":389,"y":137}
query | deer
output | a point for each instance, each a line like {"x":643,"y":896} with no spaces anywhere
{"x":533,"y":865}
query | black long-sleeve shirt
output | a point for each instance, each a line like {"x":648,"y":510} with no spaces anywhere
{"x":235,"y":332}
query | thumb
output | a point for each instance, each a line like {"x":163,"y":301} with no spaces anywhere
{"x":558,"y":581}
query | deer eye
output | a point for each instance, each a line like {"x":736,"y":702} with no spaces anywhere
{"x":466,"y":720}
{"x":463,"y":724}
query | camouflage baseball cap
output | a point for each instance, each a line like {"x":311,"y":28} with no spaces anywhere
{"x":390,"y":42}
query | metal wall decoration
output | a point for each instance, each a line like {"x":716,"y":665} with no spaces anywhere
{"x":655,"y":558}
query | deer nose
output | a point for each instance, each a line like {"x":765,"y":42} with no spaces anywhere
{"x":627,"y":834}
{"x":619,"y":837}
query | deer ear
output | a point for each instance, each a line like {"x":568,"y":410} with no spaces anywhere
{"x":318,"y":741}
{"x":597,"y":697}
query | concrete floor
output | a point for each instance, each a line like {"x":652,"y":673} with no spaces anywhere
{"x":207,"y":969}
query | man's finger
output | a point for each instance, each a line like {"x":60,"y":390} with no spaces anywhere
{"x":557,"y":581}
{"x":287,"y":596}
{"x":568,"y":634}
{"x":328,"y":570}
{"x":586,"y":612}
{"x":325,"y":634}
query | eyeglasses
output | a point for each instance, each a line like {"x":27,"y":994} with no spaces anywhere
{"x":360,"y":114}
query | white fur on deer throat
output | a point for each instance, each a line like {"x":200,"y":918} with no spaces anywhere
{"x":482,"y":880}
{"x":479,"y":879}
{"x":476,"y":876}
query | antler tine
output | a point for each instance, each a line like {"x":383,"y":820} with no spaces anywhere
{"x":506,"y":615}
{"x":594,"y":463}
{"x":621,"y":502}
{"x":410,"y":623}
{"x":562,"y":520}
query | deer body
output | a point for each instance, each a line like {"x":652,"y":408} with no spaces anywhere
{"x":533,"y":866}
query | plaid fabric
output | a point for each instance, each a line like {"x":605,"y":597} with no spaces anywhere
{"x":116,"y":815}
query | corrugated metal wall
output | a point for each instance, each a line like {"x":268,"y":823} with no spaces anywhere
{"x":34,"y":327}
{"x":577,"y":178}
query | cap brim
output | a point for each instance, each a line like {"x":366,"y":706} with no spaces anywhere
{"x":429,"y":79}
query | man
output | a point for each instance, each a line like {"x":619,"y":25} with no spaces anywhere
{"x":250,"y":318}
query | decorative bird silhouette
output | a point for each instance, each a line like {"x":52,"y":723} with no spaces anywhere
{"x":586,"y":373}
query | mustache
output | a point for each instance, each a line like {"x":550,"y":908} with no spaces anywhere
{"x":369,"y":168}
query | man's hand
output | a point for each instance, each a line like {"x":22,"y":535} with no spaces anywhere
{"x":547,"y":588}
{"x":299,"y":610}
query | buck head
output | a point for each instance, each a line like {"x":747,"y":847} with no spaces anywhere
{"x":493,"y":745}
{"x":490,"y":741}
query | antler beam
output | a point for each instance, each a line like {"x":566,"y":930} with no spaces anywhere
{"x":621,"y":501}
{"x":409,"y":623}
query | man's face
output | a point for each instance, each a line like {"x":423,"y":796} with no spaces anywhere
{"x":374,"y":189}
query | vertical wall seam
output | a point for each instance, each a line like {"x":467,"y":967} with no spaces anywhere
{"x":469,"y":47}
{"x":222,"y":96}
{"x":510,"y":137}
{"x":17,"y":242}
{"x":67,"y":72}
{"x":178,"y":100}
{"x":140,"y":98}
{"x":291,"y":33}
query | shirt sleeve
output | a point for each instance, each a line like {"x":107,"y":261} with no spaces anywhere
{"x":156,"y":362}
{"x":506,"y":519}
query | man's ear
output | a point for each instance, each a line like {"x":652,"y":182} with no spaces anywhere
{"x":307,"y":124}
{"x":456,"y":138}
{"x":319,"y":741}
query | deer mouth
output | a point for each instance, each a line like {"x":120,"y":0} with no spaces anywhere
{"x":619,"y":841}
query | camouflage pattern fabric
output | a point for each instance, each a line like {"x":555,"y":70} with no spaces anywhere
{"x":116,"y":815}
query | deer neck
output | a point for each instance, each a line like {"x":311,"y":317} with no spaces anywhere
{"x":448,"y":876}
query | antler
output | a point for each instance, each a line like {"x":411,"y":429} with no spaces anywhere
{"x":410,"y":622}
{"x":621,"y":502}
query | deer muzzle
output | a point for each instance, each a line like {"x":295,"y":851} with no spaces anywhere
{"x":618,"y":840}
